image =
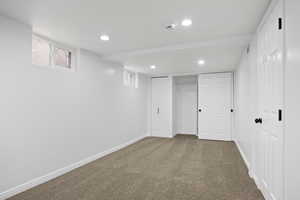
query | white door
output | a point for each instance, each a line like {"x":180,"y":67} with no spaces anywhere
{"x":161,"y":107}
{"x":215,"y":104}
{"x":270,"y":98}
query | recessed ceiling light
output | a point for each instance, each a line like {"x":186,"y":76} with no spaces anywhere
{"x":201,"y":62}
{"x":104,"y":37}
{"x":152,"y":67}
{"x":186,"y":22}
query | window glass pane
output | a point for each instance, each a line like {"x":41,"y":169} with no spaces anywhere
{"x":62,"y":57}
{"x":40,"y":52}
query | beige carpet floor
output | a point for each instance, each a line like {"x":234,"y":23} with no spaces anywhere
{"x":181,"y":168}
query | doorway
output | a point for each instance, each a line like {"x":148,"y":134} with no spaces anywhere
{"x":185,"y":105}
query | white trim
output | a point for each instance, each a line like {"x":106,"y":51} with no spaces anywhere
{"x":259,"y":185}
{"x":172,"y":136}
{"x":185,"y":132}
{"x":161,"y":134}
{"x":252,"y":174}
{"x":43,"y":179}
{"x":243,"y":156}
{"x":209,"y":137}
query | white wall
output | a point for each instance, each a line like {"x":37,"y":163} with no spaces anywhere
{"x":292,"y":99}
{"x":242,"y":105}
{"x":51,"y":119}
{"x":246,"y":104}
{"x":186,"y":105}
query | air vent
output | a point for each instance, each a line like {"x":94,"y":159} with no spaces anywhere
{"x":171,"y":27}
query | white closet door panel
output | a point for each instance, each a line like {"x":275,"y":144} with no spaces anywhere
{"x":270,"y":82}
{"x":161,"y":107}
{"x":215,"y":102}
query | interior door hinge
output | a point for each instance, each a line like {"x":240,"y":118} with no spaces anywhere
{"x":280,"y":23}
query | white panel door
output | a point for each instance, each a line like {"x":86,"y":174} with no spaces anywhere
{"x":161,"y":107}
{"x":270,"y":98}
{"x":215,"y":104}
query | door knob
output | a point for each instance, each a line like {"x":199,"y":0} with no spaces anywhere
{"x":200,"y":110}
{"x":258,"y":120}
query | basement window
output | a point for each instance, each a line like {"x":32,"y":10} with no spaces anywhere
{"x":62,"y":57}
{"x":46,"y":53}
{"x":130,"y":79}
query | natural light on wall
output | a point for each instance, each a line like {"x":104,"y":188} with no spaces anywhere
{"x":46,"y":53}
{"x":40,"y":52}
{"x":130,"y":79}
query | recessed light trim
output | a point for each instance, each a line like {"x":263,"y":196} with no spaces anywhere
{"x":104,"y":37}
{"x":186,"y":22}
{"x":152,"y":67}
{"x":201,"y":62}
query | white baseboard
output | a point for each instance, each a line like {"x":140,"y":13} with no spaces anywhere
{"x":43,"y":179}
{"x":161,"y":134}
{"x":209,"y":137}
{"x":148,"y":134}
{"x":172,"y":136}
{"x":243,"y":156}
{"x":185,"y":132}
{"x":252,"y":174}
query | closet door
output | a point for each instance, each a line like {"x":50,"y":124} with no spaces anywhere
{"x":161,"y":107}
{"x":215,"y":104}
{"x":270,"y":98}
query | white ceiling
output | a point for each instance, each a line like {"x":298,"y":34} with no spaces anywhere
{"x":219,"y":55}
{"x":136,"y":29}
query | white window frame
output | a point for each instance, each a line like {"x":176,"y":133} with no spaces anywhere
{"x":53,"y":45}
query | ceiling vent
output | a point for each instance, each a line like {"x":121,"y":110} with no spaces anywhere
{"x":171,"y":27}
